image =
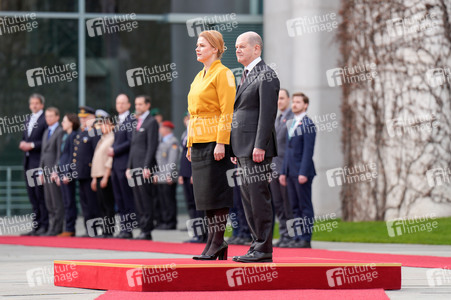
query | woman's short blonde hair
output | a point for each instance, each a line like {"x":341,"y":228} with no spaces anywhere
{"x":214,"y":38}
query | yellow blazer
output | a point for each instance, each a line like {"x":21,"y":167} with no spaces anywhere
{"x":210,"y":104}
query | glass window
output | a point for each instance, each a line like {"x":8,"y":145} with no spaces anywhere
{"x":53,"y":43}
{"x":40,"y":5}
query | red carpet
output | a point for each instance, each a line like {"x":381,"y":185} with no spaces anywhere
{"x":192,"y":249}
{"x":375,"y":294}
{"x":185,"y":274}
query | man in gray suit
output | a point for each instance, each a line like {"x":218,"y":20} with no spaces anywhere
{"x":279,"y":193}
{"x":253,"y":142}
{"x":50,"y":155}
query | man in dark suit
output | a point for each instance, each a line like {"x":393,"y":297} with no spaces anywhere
{"x":31,"y":146}
{"x":50,"y":155}
{"x":85,"y":143}
{"x":141,"y":162}
{"x":123,"y":194}
{"x":298,"y":169}
{"x":253,"y":142}
{"x":279,"y":193}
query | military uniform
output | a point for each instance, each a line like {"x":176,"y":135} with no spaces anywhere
{"x":84,"y":146}
{"x":168,"y":154}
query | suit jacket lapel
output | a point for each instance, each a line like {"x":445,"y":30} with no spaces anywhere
{"x":250,"y":78}
{"x":45,"y":140}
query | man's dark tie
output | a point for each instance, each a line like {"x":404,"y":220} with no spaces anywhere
{"x":243,"y":78}
{"x":49,"y":134}
{"x":279,"y":119}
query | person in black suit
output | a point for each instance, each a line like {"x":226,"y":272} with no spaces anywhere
{"x":298,"y":169}
{"x":241,"y":234}
{"x":123,"y":194}
{"x":141,"y":162}
{"x":66,"y":169}
{"x":84,"y":145}
{"x":279,"y":193}
{"x":254,"y":144}
{"x":50,"y":155}
{"x":31,"y":146}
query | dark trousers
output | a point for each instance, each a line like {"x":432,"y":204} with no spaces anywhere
{"x":37,"y":200}
{"x":144,"y":196}
{"x":55,"y":206}
{"x":88,"y":201}
{"x":300,"y":196}
{"x":70,"y":206}
{"x":257,"y":203}
{"x":282,"y":206}
{"x":105,"y":198}
{"x":123,"y":195}
{"x":237,"y":216}
{"x":167,"y":204}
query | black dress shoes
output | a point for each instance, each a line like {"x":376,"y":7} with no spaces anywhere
{"x":287,"y":244}
{"x":253,"y":257}
{"x":124,"y":235}
{"x":144,"y":236}
{"x":51,"y":233}
{"x":283,"y":242}
{"x":41,"y":231}
{"x":220,"y":254}
{"x":30,"y":233}
{"x":302,"y":244}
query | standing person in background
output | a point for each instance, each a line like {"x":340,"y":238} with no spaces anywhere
{"x":50,"y":155}
{"x":210,"y":104}
{"x":253,"y":142}
{"x":70,"y":125}
{"x":120,"y":149}
{"x":155,"y":112}
{"x":84,"y":145}
{"x":101,"y":171}
{"x":186,"y":181}
{"x":240,"y":234}
{"x":279,"y":192}
{"x":31,"y":146}
{"x":140,"y":163}
{"x":299,"y":170}
{"x":167,"y":159}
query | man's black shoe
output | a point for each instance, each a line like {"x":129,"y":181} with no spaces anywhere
{"x":253,"y":257}
{"x":248,"y":252}
{"x":51,"y":233}
{"x":283,"y":241}
{"x":124,"y":235}
{"x":30,"y":233}
{"x":302,"y":244}
{"x":287,"y":244}
{"x":144,"y":236}
{"x":41,"y":231}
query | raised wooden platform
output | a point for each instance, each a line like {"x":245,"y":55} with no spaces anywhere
{"x":189,"y":275}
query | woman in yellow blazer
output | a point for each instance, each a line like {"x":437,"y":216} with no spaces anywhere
{"x":210,"y":104}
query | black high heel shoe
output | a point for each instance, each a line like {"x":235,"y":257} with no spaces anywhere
{"x":220,"y":254}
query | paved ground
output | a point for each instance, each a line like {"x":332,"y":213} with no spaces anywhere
{"x":15,"y":261}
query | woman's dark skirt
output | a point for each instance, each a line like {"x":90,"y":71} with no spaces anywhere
{"x":211,"y":187}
